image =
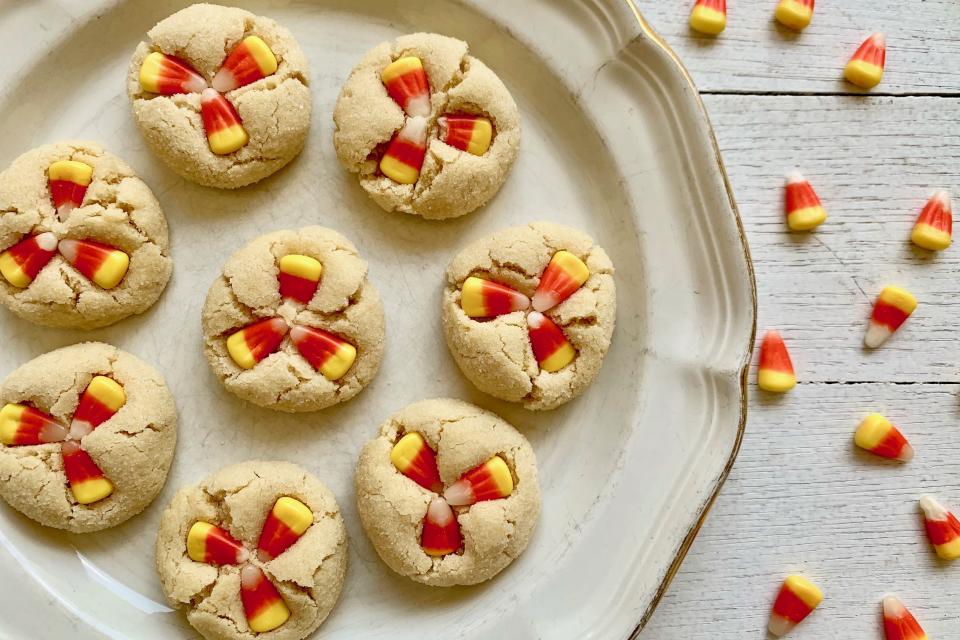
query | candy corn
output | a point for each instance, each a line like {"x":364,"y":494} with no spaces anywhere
{"x":865,"y":68}
{"x":406,"y":82}
{"x":490,"y":481}
{"x":776,"y":370}
{"x":934,"y":227}
{"x":414,"y":458}
{"x":878,"y":436}
{"x":563,"y":276}
{"x":23,"y":425}
{"x":225,"y":132}
{"x":21,"y":263}
{"x":441,"y":531}
{"x":892,"y":308}
{"x":86,"y":480}
{"x":709,"y":16}
{"x":249,"y":61}
{"x":166,"y":75}
{"x":286,"y":522}
{"x":262,"y":604}
{"x":795,"y":14}
{"x":68,"y":181}
{"x":99,"y":262}
{"x":943,"y":528}
{"x":797,"y":599}
{"x":253,"y":343}
{"x":899,"y":623}
{"x":325,"y":352}
{"x":481,"y":298}
{"x":213,"y":545}
{"x":803,"y":208}
{"x":102,"y":398}
{"x":299,"y":277}
{"x":467,"y":133}
{"x":404,"y":156}
{"x":550,"y":346}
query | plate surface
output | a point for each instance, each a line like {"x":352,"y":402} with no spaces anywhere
{"x":615,"y":142}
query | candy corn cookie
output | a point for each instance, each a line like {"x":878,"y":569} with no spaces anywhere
{"x":87,"y":435}
{"x":221,"y":95}
{"x":528,"y":313}
{"x":83,"y":241}
{"x":448,"y":493}
{"x":293,"y":324}
{"x":429,"y":129}
{"x":258,"y":547}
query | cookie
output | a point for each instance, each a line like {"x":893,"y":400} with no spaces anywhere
{"x":87,"y":434}
{"x":448,"y":493}
{"x":256,"y":547}
{"x":528,"y":313}
{"x":221,"y":96}
{"x":429,"y":129}
{"x":83,"y":241}
{"x":293,"y":324}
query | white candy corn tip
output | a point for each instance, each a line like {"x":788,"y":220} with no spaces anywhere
{"x":780,"y":626}
{"x":414,"y":130}
{"x":222,"y":82}
{"x":932,"y":509}
{"x":439,"y":512}
{"x":535,"y":319}
{"x":79,"y":428}
{"x":459,"y":494}
{"x":876,"y":335}
{"x":942,"y":198}
{"x":297,"y":333}
{"x":795,"y":177}
{"x":879,"y":39}
{"x":46,"y":241}
{"x":64,"y":210}
{"x":419,"y":107}
{"x":906,"y":454}
{"x":69,"y":249}
{"x":209,"y":95}
{"x":250,"y":576}
{"x":52,"y":432}
{"x":892,"y":607}
{"x":543,"y":300}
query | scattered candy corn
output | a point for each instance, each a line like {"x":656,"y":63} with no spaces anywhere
{"x":250,"y":60}
{"x":776,"y":369}
{"x":934,"y":227}
{"x":21,"y":263}
{"x":943,"y":528}
{"x":99,"y":262}
{"x":797,"y":599}
{"x":86,"y":480}
{"x":414,"y":458}
{"x":68,"y":181}
{"x":404,"y":156}
{"x":481,"y":298}
{"x":878,"y":436}
{"x":490,"y":481}
{"x":166,"y":75}
{"x":441,"y":531}
{"x":899,"y":623}
{"x":795,"y":14}
{"x":465,"y":132}
{"x":803,"y":208}
{"x":299,"y":277}
{"x":893,"y":306}
{"x":225,"y":132}
{"x":550,"y":346}
{"x":286,"y":522}
{"x":253,"y":343}
{"x":102,"y":398}
{"x":262,"y":604}
{"x":213,"y":545}
{"x":23,"y":425}
{"x":709,"y":16}
{"x":325,"y":352}
{"x":406,"y":82}
{"x":865,"y":68}
{"x":563,"y":276}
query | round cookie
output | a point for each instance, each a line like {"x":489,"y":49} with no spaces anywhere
{"x":455,"y":438}
{"x":87,"y":435}
{"x":258,"y":121}
{"x":460,"y":115}
{"x":300,"y":337}
{"x":83,"y":241}
{"x":495,"y":347}
{"x":300,"y":571}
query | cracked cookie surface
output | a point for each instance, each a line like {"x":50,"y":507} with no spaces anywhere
{"x":392,"y":507}
{"x":452,"y":182}
{"x":118,"y":209}
{"x":134,"y":448}
{"x":495,"y":354}
{"x":309,"y":575}
{"x":275,"y":110}
{"x":345,"y":304}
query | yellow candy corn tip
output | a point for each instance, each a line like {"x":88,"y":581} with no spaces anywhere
{"x":776,"y":381}
{"x":406,"y":449}
{"x":262,"y":54}
{"x":559,"y":359}
{"x":197,"y":541}
{"x":340,"y":362}
{"x":12,"y":272}
{"x":871,"y":431}
{"x":269,"y":618}
{"x":92,"y":490}
{"x":501,"y":475}
{"x":150,"y":72}
{"x":293,"y":513}
{"x":572,"y":265}
{"x":111,"y":272}
{"x":806,"y":219}
{"x":900,"y":298}
{"x":397,"y":171}
{"x":863,"y":74}
{"x":471,"y":297}
{"x":793,"y":15}
{"x":707,"y":20}
{"x":301,"y":266}
{"x":950,"y":550}
{"x":227,"y":140}
{"x":238,"y":350}
{"x":480,"y":137}
{"x":399,"y":67}
{"x":9,"y":421}
{"x":108,"y":392}
{"x":805,"y":590}
{"x":923,"y":236}
{"x":71,"y":170}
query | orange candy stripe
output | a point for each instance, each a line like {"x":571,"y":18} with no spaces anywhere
{"x":773,"y":353}
{"x":873,"y":51}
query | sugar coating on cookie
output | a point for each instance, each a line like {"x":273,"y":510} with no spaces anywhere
{"x":436,"y":119}
{"x":83,"y":240}
{"x":547,"y":348}
{"x":87,"y":435}
{"x":395,"y":508}
{"x":293,"y":323}
{"x":221,"y":95}
{"x":212,"y":559}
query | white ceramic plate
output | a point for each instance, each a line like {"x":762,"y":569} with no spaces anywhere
{"x":615,"y":141}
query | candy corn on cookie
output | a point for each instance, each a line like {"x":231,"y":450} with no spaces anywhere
{"x":87,"y":435}
{"x":448,"y":493}
{"x":258,"y":547}
{"x":528,"y":313}
{"x":221,"y":95}
{"x":293,"y":324}
{"x":83,"y":241}
{"x":424,"y":136}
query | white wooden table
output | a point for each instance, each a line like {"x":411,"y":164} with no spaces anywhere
{"x":801,"y":498}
